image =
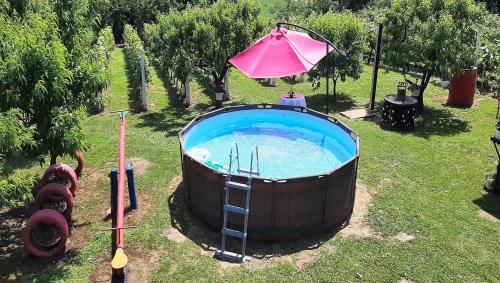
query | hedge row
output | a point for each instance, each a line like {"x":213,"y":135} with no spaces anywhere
{"x":133,"y":51}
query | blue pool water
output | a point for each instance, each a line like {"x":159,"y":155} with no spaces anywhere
{"x":291,"y":144}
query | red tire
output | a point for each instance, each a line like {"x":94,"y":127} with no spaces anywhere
{"x":61,"y":171}
{"x":53,"y":193}
{"x":81,"y":161}
{"x":48,"y":217}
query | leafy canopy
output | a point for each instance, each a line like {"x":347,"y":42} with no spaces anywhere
{"x":432,"y":36}
{"x":51,"y":65}
{"x":204,"y":38}
{"x":347,"y":32}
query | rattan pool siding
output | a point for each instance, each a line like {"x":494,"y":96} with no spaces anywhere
{"x":279,"y":209}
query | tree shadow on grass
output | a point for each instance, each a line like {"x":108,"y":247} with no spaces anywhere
{"x":170,"y":120}
{"x":174,"y":95}
{"x":489,"y":203}
{"x":16,"y":263}
{"x":318,"y":102}
{"x":439,"y":121}
{"x":209,"y":239}
{"x":207,"y":89}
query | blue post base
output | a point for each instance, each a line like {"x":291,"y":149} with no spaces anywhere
{"x":131,"y":186}
{"x":113,"y":177}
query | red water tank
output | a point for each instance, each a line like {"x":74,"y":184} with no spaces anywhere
{"x":462,"y":88}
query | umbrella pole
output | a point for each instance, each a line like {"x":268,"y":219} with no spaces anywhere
{"x":327,"y":81}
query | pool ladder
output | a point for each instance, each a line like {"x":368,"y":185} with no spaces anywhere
{"x":228,"y":208}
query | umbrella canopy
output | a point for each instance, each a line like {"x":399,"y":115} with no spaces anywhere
{"x":279,"y":54}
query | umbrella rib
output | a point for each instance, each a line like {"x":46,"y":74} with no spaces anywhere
{"x":296,"y":49}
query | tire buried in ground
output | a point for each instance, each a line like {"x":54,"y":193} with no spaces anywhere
{"x":45,"y":233}
{"x":61,"y":172}
{"x":53,"y":195}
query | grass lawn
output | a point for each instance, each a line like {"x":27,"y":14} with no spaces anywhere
{"x":426,"y":183}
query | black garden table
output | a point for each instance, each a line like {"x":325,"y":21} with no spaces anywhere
{"x":398,"y":113}
{"x":493,"y":184}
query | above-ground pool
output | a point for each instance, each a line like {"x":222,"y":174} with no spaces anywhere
{"x":307,"y":169}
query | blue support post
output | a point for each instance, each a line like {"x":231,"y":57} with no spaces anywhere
{"x":113,"y":177}
{"x":131,"y":186}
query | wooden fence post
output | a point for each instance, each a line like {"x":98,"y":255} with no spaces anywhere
{"x":187,"y":91}
{"x":144,"y":99}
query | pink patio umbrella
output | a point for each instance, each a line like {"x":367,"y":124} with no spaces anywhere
{"x":279,"y":54}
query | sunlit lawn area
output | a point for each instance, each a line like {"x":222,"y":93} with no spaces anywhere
{"x":426,"y":183}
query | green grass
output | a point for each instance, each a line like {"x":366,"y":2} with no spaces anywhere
{"x":428,"y":183}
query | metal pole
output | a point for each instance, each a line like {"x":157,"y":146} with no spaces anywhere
{"x":375,"y":66}
{"x":119,"y":261}
{"x":327,"y":80}
{"x":121,"y":183}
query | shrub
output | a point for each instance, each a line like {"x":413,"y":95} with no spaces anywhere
{"x":16,"y":189}
{"x":14,"y":136}
{"x":101,"y":59}
{"x":106,"y":41}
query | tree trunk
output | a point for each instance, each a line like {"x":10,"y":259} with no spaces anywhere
{"x":426,"y":77}
{"x":53,"y":159}
{"x":334,"y":89}
{"x":187,"y":92}
{"x":226,"y":85}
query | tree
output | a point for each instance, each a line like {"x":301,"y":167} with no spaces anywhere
{"x":204,"y":38}
{"x":171,"y":44}
{"x":347,"y":32}
{"x":140,"y":12}
{"x":47,"y":80}
{"x":432,"y":37}
{"x":223,"y":30}
{"x":371,"y":17}
{"x":489,"y":62}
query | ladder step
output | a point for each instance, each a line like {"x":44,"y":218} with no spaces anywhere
{"x":238,"y":186}
{"x":235,"y":209}
{"x":232,"y":256}
{"x":233,"y":233}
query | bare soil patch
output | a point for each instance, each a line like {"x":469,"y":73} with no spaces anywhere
{"x":403,"y":237}
{"x":358,"y":225}
{"x":140,"y":165}
{"x":141,"y":264}
{"x":302,"y":253}
{"x":175,"y":235}
{"x":443,"y":99}
{"x":486,"y":215}
{"x":135,"y":216}
{"x":16,"y":263}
